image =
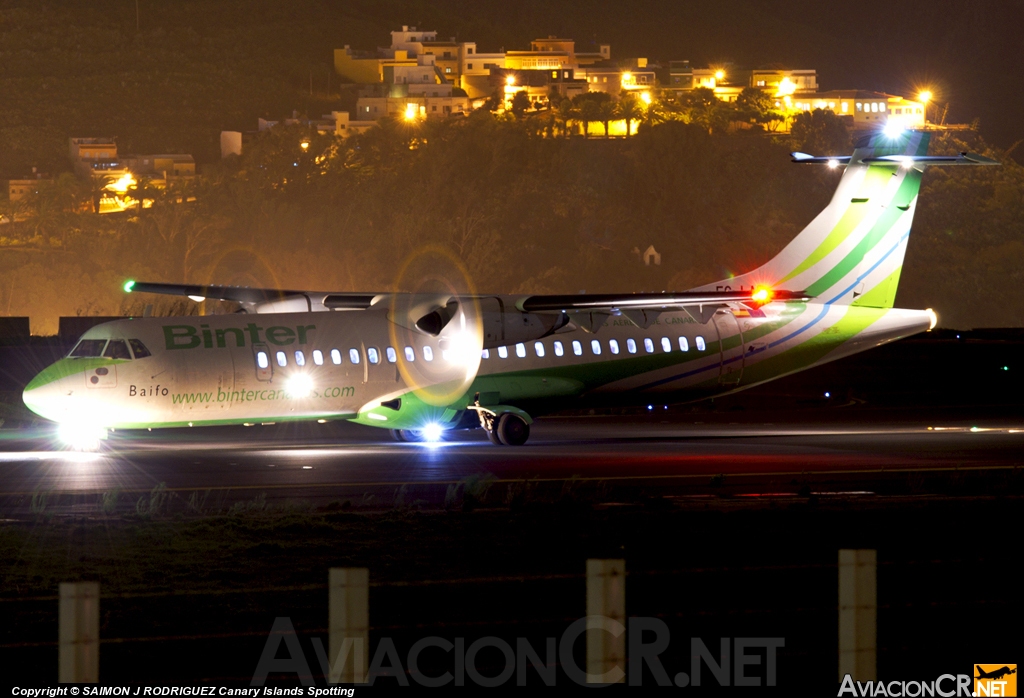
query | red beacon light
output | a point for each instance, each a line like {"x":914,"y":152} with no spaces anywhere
{"x":761,"y":295}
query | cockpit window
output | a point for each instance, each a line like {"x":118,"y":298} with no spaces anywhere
{"x":117,"y":349}
{"x":88,"y":348}
{"x":139,"y":349}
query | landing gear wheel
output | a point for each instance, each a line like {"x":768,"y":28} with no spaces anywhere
{"x":512,"y":429}
{"x":405,"y":435}
{"x":492,"y":435}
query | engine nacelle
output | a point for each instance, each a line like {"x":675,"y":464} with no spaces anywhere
{"x":508,"y":325}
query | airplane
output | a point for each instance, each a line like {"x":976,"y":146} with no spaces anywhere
{"x":420,"y":364}
{"x":994,"y":674}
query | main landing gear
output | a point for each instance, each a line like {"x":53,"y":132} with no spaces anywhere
{"x":505,"y":429}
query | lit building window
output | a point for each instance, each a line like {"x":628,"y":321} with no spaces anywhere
{"x":845,"y":106}
{"x":859,"y":106}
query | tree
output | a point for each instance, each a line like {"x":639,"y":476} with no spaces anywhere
{"x":520,"y":103}
{"x":755,"y":106}
{"x":821,"y":132}
{"x":589,"y":106}
{"x":706,"y":110}
{"x":629,"y":110}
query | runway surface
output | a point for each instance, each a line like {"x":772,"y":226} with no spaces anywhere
{"x":668,"y":457}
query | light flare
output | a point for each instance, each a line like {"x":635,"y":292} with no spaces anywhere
{"x":299,"y":385}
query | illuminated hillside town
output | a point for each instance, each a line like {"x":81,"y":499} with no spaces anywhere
{"x":577,"y":93}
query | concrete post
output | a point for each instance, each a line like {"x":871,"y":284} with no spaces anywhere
{"x":78,"y":654}
{"x":858,"y":612}
{"x":606,"y":621}
{"x":348,"y":624}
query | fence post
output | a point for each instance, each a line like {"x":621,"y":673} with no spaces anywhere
{"x":606,"y":620}
{"x":858,"y":612}
{"x":348,"y":624}
{"x":78,"y":653}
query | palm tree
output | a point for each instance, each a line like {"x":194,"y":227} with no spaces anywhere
{"x":629,"y":111}
{"x":607,"y":111}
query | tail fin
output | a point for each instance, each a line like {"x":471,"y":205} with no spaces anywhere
{"x":852,"y":252}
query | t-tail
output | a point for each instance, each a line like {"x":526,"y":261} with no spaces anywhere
{"x":852,"y":252}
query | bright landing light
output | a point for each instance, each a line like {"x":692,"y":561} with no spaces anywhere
{"x":299,"y":385}
{"x":432,"y":432}
{"x":79,"y":436}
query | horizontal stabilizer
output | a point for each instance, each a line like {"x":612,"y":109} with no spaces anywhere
{"x":961,"y":159}
{"x":805,"y":159}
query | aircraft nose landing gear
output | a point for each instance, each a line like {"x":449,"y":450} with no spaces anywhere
{"x":505,"y":428}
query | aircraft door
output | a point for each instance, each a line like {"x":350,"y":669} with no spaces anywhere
{"x":264,"y":363}
{"x":730,"y":343}
{"x":380,"y":366}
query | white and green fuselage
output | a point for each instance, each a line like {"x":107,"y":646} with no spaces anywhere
{"x":373,"y":365}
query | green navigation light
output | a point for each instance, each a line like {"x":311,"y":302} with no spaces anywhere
{"x":128,"y":286}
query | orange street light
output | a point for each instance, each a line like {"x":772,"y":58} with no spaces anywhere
{"x":925,"y":96}
{"x":510,"y":80}
{"x":719,"y":75}
{"x":304,"y":145}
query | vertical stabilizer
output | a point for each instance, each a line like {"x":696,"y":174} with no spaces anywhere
{"x":852,"y":252}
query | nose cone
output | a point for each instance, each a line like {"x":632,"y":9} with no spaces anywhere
{"x":45,"y":395}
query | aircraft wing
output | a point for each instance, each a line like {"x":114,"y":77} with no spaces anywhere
{"x":246,"y":294}
{"x":653,"y":301}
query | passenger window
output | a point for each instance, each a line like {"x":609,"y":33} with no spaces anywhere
{"x":262,"y":360}
{"x":318,"y":357}
{"x":372,"y":355}
{"x":613,"y":346}
{"x":353,"y":355}
{"x":521,"y":350}
{"x":485,"y":354}
{"x":392,"y":355}
{"x":539,"y":348}
{"x":89,"y":348}
{"x":502,"y":352}
{"x":428,"y":354}
{"x":335,"y":357}
{"x":300,"y":358}
{"x":595,"y":346}
{"x":649,"y":345}
{"x":683,"y":344}
{"x":410,"y":354}
{"x":559,"y":351}
{"x":577,"y":348}
{"x":666,"y":344}
{"x":139,"y":349}
{"x":282,"y":359}
{"x":117,"y":349}
{"x":700,"y":344}
{"x":631,"y":345}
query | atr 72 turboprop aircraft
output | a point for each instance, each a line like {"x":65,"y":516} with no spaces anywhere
{"x":419,"y":364}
